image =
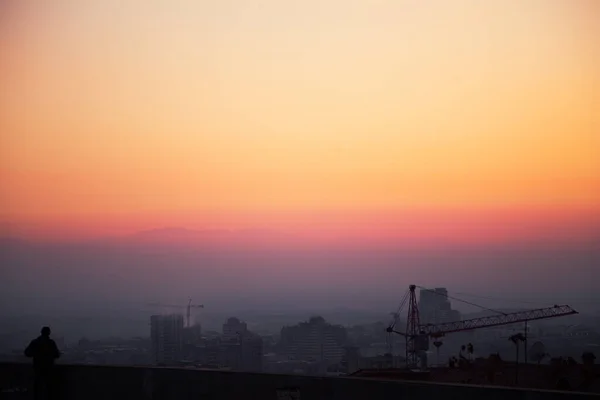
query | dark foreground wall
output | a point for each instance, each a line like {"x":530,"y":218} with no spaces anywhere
{"x":78,"y":382}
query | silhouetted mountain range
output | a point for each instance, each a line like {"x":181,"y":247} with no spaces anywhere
{"x":212,"y":237}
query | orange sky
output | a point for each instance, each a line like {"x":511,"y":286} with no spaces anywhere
{"x":118,"y":116}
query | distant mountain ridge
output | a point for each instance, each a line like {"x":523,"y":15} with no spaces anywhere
{"x":177,"y":232}
{"x":212,"y":236}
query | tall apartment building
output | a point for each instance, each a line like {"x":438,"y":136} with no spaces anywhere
{"x":315,"y":340}
{"x":435,"y":307}
{"x":251,"y":348}
{"x":243,"y":354}
{"x":166,"y":334}
{"x":192,"y":334}
{"x":241,"y":349}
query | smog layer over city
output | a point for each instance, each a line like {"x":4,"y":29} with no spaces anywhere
{"x":319,"y":188}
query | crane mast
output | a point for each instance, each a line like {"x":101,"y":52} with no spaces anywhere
{"x":412,"y":328}
{"x":189,"y":311}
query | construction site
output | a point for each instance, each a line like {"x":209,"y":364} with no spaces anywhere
{"x":422,"y":340}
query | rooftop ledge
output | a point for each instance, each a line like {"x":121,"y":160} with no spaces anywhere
{"x":75,"y":382}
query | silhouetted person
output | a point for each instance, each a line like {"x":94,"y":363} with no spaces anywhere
{"x":44,"y":352}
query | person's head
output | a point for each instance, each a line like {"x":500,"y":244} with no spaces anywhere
{"x":46,"y":331}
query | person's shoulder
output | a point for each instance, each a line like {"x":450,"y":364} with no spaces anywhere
{"x":34,"y":344}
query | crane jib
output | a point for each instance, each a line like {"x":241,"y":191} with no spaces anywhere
{"x":496,"y":320}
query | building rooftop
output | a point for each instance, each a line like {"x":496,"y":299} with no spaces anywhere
{"x":106,"y":382}
{"x":532,"y":376}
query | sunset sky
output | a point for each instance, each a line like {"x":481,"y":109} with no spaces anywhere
{"x":386,"y":118}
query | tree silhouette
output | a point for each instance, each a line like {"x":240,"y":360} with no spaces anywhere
{"x":588,"y":358}
{"x":539,"y":357}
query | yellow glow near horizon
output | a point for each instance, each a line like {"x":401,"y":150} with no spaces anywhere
{"x":199,"y":107}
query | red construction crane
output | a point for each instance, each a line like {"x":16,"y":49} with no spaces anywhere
{"x":417,"y":335}
{"x":188,"y":308}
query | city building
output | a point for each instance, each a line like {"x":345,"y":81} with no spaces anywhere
{"x":240,"y":349}
{"x":435,"y":307}
{"x":353,"y":361}
{"x":233,"y":328}
{"x":243,"y":354}
{"x":166,"y":335}
{"x":315,"y":340}
{"x":252,"y":351}
{"x":192,"y":334}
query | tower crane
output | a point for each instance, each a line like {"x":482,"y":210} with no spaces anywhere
{"x":188,"y":308}
{"x":417,"y":335}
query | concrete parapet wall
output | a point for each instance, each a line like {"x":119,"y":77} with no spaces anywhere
{"x":75,"y":382}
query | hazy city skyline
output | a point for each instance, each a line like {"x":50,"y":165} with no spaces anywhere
{"x":314,"y":154}
{"x":128,"y":275}
{"x":376,"y":189}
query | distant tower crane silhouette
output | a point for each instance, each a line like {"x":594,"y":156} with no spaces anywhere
{"x":414,"y":336}
{"x":188,"y":308}
{"x":417,"y":335}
